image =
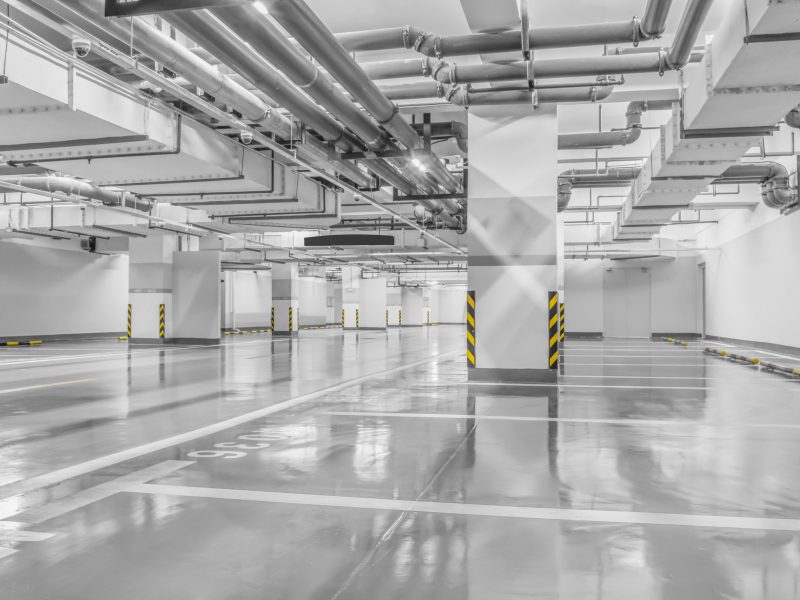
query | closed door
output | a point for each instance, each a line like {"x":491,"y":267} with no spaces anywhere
{"x":626,"y":303}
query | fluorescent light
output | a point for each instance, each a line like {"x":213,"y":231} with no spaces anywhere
{"x":418,"y":163}
{"x":260,"y":8}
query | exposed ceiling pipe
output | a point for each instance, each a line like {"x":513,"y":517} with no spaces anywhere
{"x":620,"y":137}
{"x":450,"y":129}
{"x":85,"y":189}
{"x":230,"y":49}
{"x":652,"y":61}
{"x":301,"y":22}
{"x":463,"y":96}
{"x":692,"y":19}
{"x":793,"y":118}
{"x":409,"y":37}
{"x":590,"y":178}
{"x":271,"y":43}
{"x":776,"y":192}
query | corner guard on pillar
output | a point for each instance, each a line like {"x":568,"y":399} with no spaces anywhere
{"x":471,"y":329}
{"x":554,"y":329}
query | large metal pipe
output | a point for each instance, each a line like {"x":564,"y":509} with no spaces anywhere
{"x":654,"y":21}
{"x":267,"y":39}
{"x":466,"y":97}
{"x":620,"y":137}
{"x":85,"y":189}
{"x":450,"y":129}
{"x":230,"y":49}
{"x":694,"y":15}
{"x":776,"y":191}
{"x":573,"y":178}
{"x":301,"y":22}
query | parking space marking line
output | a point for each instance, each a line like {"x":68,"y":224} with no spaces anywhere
{"x":477,"y":510}
{"x":576,"y":420}
{"x":47,"y":385}
{"x":23,"y":486}
{"x":54,"y":509}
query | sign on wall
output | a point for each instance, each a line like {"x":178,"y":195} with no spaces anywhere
{"x":124,"y":8}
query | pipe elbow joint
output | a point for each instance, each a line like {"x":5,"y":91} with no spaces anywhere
{"x":443,"y":72}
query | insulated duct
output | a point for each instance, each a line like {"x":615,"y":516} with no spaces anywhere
{"x":464,"y":96}
{"x":182,"y":61}
{"x":85,"y":189}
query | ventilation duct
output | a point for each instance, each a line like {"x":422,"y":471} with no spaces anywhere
{"x":84,"y":189}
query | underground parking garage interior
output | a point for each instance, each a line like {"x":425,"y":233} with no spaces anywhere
{"x":409,"y":299}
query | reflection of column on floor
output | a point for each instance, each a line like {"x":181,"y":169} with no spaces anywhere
{"x":351,"y":281}
{"x":372,"y":303}
{"x":512,"y":239}
{"x":413,"y":307}
{"x":285,"y":298}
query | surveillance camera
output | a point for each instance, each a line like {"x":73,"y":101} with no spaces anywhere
{"x":246,"y":137}
{"x":81,"y":47}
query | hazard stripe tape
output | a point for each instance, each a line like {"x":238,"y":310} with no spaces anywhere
{"x":471,"y":329}
{"x":553,"y":314}
{"x":162,"y":321}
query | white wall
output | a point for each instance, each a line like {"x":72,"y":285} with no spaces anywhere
{"x":247,"y":299}
{"x":313,"y":301}
{"x":413,"y":307}
{"x":449,"y":305}
{"x":673,"y":295}
{"x":58,"y":289}
{"x":752,"y":279}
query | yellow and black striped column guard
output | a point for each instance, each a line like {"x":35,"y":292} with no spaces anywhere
{"x":471,"y":329}
{"x":400,"y":317}
{"x":553,"y":329}
{"x":130,"y":320}
{"x":356,"y":318}
{"x":162,"y":321}
{"x":562,"y":323}
{"x":342,"y":318}
{"x":291,"y":319}
{"x":272,"y":319}
{"x":387,"y":317}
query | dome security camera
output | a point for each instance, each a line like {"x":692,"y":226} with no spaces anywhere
{"x":246,"y":137}
{"x":81,"y":47}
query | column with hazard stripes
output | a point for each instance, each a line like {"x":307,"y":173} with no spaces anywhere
{"x":285,"y":299}
{"x":471,"y":329}
{"x":562,"y":325}
{"x":553,"y":329}
{"x":162,"y":321}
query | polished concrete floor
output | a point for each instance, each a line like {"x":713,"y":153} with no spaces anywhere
{"x":343,"y":465}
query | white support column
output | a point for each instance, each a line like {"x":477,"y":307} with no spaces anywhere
{"x":197,"y":299}
{"x":150,"y":287}
{"x":512,"y":240}
{"x":394,"y":307}
{"x":426,"y":306}
{"x":449,"y":305}
{"x":351,"y":280}
{"x":285,"y":298}
{"x":372,"y":303}
{"x":413,"y":307}
{"x":334,"y":301}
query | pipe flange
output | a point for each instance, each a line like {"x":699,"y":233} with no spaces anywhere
{"x":663,"y":62}
{"x":420,"y":39}
{"x":426,"y":67}
{"x":637,"y":32}
{"x":440,"y":93}
{"x":453,"y":73}
{"x":454,"y":89}
{"x":406,"y":34}
{"x":437,"y":47}
{"x":437,"y":68}
{"x":593,"y":93}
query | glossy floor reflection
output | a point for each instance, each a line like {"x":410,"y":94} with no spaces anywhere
{"x":361,"y":465}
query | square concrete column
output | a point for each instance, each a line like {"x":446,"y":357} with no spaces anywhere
{"x":334,"y":302}
{"x":449,"y":305}
{"x":413,"y":307}
{"x":150,"y":288}
{"x":351,"y":281}
{"x":427,"y":305}
{"x":512,"y":241}
{"x":285,"y":299}
{"x":394,"y":307}
{"x":372,"y":303}
{"x":197,"y":297}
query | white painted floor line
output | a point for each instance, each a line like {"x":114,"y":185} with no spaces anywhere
{"x":581,"y":421}
{"x":569,"y":363}
{"x":47,"y":385}
{"x":34,"y":483}
{"x":54,"y":509}
{"x":609,"y":387}
{"x":476,"y":510}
